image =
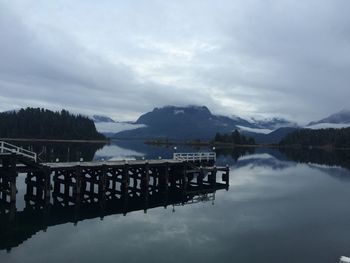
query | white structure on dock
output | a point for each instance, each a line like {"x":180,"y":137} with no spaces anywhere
{"x":195,"y":157}
{"x":6,"y":148}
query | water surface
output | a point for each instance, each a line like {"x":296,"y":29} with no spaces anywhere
{"x":280,"y":207}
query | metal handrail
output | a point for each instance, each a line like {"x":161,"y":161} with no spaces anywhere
{"x":10,"y":148}
{"x":192,"y":157}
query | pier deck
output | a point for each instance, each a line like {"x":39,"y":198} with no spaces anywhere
{"x":59,"y":165}
{"x":75,"y":191}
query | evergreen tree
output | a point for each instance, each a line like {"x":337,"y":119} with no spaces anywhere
{"x":321,"y":137}
{"x":235,"y":138}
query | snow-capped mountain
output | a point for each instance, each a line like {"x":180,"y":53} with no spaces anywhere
{"x":337,"y":120}
{"x":273,"y":123}
{"x":197,"y":122}
{"x":182,"y":123}
{"x":266,"y":126}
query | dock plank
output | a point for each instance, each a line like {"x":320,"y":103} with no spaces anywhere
{"x":59,"y":165}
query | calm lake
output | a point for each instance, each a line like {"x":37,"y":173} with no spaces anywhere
{"x":290,"y":206}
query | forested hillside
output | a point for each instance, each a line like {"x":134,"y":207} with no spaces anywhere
{"x":39,"y":123}
{"x":322,"y":137}
{"x":234,"y":138}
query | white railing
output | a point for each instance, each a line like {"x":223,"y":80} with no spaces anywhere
{"x":195,"y":157}
{"x":200,"y":198}
{"x":9,"y":148}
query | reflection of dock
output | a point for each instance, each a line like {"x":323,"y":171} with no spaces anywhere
{"x":59,"y":193}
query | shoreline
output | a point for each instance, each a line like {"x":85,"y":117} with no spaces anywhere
{"x":52,"y":140}
{"x":219,"y":145}
{"x":204,"y":143}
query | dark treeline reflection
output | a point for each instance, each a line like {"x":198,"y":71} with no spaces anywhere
{"x":68,"y":198}
{"x":65,"y":152}
{"x":234,"y":153}
{"x":319,"y":156}
{"x":316,"y":156}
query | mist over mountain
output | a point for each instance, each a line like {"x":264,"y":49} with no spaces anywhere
{"x":273,"y":123}
{"x":171,"y":122}
{"x":272,"y":137}
{"x":101,"y":118}
{"x":196,"y":122}
{"x":188,"y":115}
{"x":336,"y":118}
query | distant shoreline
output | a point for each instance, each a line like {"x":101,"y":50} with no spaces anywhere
{"x":232,"y":145}
{"x":52,"y":140}
{"x":203,"y":143}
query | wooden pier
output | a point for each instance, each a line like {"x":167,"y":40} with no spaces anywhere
{"x":58,"y":193}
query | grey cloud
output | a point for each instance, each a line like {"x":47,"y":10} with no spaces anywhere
{"x":64,"y":74}
{"x":264,"y":58}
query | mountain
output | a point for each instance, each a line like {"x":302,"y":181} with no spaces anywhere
{"x":191,"y":122}
{"x":337,"y":120}
{"x":187,"y":115}
{"x":273,"y":123}
{"x":197,"y":122}
{"x":273,"y":137}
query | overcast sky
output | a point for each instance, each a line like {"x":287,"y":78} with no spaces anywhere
{"x":122,"y":58}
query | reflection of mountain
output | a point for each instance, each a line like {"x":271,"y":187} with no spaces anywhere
{"x":114,"y":152}
{"x":334,"y":171}
{"x":241,"y":156}
{"x":281,"y":158}
{"x":234,"y":153}
{"x":264,"y":160}
{"x":154,"y":151}
{"x":329,"y":162}
{"x":319,"y":156}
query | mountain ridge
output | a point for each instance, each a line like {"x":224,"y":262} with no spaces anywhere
{"x":191,"y":122}
{"x":342,"y":116}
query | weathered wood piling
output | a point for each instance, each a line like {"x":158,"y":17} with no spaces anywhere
{"x":58,"y":193}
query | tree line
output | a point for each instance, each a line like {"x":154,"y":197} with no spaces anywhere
{"x":339,"y":138}
{"x":234,"y":138}
{"x":40,"y":123}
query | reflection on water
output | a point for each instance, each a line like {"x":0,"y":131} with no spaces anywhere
{"x":289,"y":206}
{"x":236,"y":153}
{"x":69,"y":206}
{"x":128,"y":150}
{"x":319,"y":156}
{"x":63,"y":151}
{"x":115,"y":152}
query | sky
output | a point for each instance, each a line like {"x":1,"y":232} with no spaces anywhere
{"x":251,"y":58}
